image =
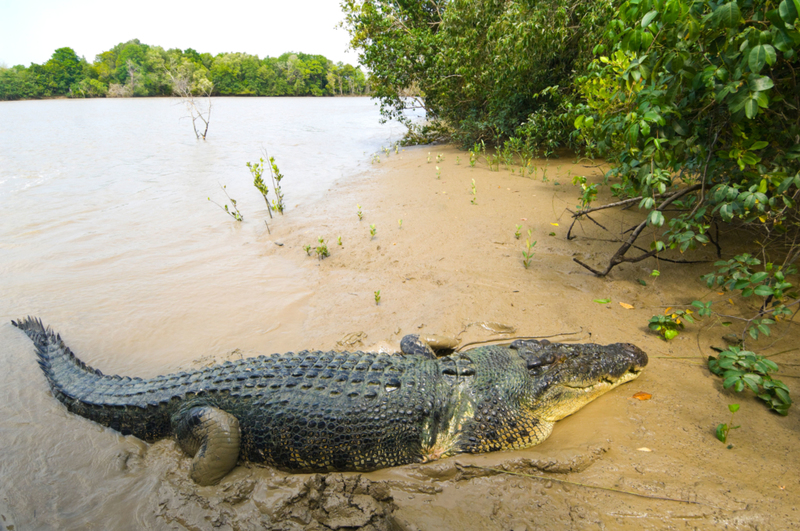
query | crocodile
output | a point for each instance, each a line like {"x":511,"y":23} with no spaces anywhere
{"x":315,"y":411}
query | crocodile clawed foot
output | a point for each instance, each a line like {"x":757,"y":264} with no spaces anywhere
{"x":212,"y":437}
{"x":426,"y":345}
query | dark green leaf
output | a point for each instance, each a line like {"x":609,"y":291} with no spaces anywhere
{"x":722,"y":432}
{"x":727,"y":15}
{"x":788,"y":11}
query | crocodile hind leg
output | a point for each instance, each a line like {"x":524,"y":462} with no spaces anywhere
{"x":426,"y":345}
{"x":211,"y":436}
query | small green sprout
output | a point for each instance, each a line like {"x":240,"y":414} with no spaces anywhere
{"x":400,"y":223}
{"x":377,"y":297}
{"x":474,"y":193}
{"x":724,"y":429}
{"x":527,"y":254}
{"x":339,"y":241}
{"x":307,"y":249}
{"x":372,"y":231}
{"x":517,"y":234}
{"x":234,"y":212}
{"x":360,"y":214}
{"x":322,"y":249}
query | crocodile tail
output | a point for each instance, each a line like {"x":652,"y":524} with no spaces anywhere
{"x":60,"y":365}
{"x":88,"y":392}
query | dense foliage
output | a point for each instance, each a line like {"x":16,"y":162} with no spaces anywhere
{"x":136,"y":69}
{"x":484,"y":69}
{"x":701,"y":95}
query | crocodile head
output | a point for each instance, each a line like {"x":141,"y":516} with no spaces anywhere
{"x":564,"y":378}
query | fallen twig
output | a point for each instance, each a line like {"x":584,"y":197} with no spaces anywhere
{"x":610,"y":489}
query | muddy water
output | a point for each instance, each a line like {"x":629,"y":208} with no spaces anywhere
{"x":141,"y":275}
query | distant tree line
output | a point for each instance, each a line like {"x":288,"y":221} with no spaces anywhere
{"x":136,"y":69}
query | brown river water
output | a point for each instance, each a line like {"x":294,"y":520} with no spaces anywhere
{"x":107,"y":235}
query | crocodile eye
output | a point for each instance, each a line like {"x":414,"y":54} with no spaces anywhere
{"x":546,"y":359}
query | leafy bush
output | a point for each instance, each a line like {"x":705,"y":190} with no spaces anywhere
{"x":700,"y":96}
{"x":741,"y":368}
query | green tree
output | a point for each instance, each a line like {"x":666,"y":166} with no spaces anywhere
{"x":697,"y":106}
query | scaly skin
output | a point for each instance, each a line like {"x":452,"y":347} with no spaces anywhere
{"x":319,"y":411}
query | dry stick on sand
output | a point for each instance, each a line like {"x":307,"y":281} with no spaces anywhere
{"x":610,"y":489}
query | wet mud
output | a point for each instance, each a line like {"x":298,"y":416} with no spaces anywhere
{"x":451,"y":267}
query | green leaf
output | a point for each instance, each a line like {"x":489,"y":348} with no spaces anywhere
{"x":764,"y":290}
{"x":602,"y":301}
{"x":727,"y":15}
{"x":656,"y":218}
{"x":758,"y":83}
{"x":669,"y":334}
{"x":733,"y":408}
{"x":648,"y":18}
{"x":763,"y":53}
{"x":788,"y":11}
{"x":722,"y":432}
{"x":729,"y":381}
{"x":751,"y":108}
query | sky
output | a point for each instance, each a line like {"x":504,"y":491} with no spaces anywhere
{"x":31,"y":30}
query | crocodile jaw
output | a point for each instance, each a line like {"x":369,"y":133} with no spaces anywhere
{"x":572,"y":398}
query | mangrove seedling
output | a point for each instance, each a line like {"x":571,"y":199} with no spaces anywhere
{"x":372,"y":231}
{"x":360,"y":214}
{"x":473,"y":155}
{"x":439,"y":158}
{"x":429,"y":157}
{"x":378,"y":297}
{"x":517,"y":234}
{"x":670,"y":324}
{"x":724,"y":429}
{"x":474,"y":193}
{"x":339,"y":241}
{"x":375,"y":158}
{"x":233,"y":212}
{"x":438,"y":173}
{"x":527,"y":254}
{"x":400,"y":223}
{"x":322,"y":249}
{"x":307,"y":249}
{"x":458,"y":160}
{"x":257,"y":170}
{"x":277,"y":205}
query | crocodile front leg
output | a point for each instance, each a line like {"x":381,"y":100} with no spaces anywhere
{"x":424,"y":346}
{"x":212,"y":437}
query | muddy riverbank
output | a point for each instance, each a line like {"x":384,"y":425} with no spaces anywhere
{"x":451,"y":267}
